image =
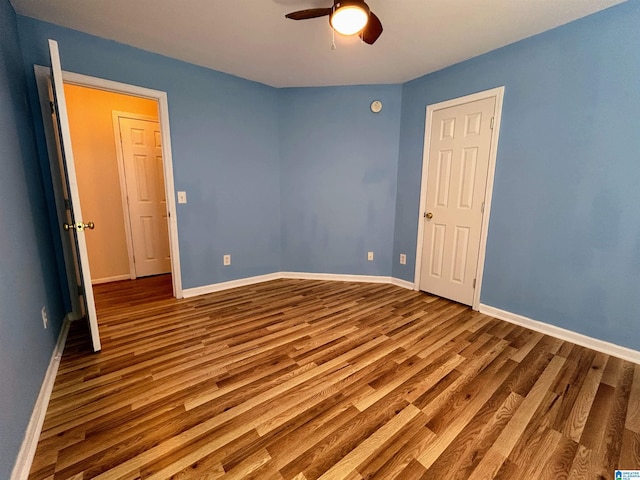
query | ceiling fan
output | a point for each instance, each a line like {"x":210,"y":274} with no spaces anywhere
{"x":347,"y":17}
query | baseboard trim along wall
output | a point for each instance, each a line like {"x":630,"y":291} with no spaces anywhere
{"x":116,"y":278}
{"x":32,"y":435}
{"x":219,"y":287}
{"x":563,"y":334}
{"x":243,"y":282}
{"x":403,"y":283}
{"x":335,"y":277}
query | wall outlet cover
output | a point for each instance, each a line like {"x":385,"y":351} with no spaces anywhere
{"x":370,"y":256}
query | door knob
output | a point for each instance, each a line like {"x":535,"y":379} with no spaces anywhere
{"x":78,"y":226}
{"x":428,"y":215}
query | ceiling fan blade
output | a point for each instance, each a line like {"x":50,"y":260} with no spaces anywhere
{"x":372,"y":30}
{"x":310,"y":13}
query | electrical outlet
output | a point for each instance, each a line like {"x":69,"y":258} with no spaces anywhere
{"x":45,"y":319}
{"x":403,"y":259}
{"x":370,"y":256}
{"x":182,"y":197}
{"x":226,"y":260}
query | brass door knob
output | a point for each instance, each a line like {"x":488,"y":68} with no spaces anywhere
{"x":428,"y":215}
{"x":78,"y":226}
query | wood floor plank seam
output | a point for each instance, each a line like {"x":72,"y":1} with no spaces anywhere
{"x":305,"y":380}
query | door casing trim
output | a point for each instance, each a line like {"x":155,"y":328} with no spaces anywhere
{"x":498,"y":93}
{"x":163,"y":118}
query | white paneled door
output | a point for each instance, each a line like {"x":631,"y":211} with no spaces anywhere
{"x":144,"y":176}
{"x":458,"y":162}
{"x":76,"y":225}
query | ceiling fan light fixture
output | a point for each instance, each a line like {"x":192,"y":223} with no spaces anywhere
{"x":348,"y":18}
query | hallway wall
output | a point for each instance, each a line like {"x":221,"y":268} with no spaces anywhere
{"x":94,"y":150}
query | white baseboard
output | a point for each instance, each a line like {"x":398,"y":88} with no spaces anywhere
{"x":116,"y":278}
{"x":335,"y":277}
{"x":218,"y":287}
{"x":32,"y":434}
{"x":403,"y":283}
{"x":563,"y":334}
{"x":339,"y":277}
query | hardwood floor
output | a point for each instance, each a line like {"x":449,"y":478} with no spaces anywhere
{"x":294,"y":379}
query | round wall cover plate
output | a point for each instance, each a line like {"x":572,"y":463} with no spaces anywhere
{"x":376,"y":106}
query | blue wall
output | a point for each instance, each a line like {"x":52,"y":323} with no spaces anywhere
{"x":225,"y":144}
{"x":28,"y":272}
{"x":338,"y":178}
{"x":564,"y":234}
{"x":234,"y":141}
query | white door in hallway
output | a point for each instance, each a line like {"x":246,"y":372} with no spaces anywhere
{"x":147,"y":201}
{"x":458,"y":162}
{"x":75,"y":225}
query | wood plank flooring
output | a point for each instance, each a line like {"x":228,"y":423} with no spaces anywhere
{"x":306,"y":380}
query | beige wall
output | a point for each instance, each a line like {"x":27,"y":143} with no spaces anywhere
{"x":94,"y":151}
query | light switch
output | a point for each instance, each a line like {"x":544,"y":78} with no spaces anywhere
{"x":182,"y":197}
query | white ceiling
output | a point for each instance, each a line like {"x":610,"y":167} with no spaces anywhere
{"x":252,"y":39}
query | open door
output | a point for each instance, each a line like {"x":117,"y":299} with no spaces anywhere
{"x":75,"y":225}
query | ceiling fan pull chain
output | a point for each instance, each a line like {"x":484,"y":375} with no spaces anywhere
{"x":333,"y":39}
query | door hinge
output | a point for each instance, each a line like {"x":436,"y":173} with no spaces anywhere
{"x":53,"y":108}
{"x":474,"y":283}
{"x":67,"y":204}
{"x":492,"y":119}
{"x":482,"y":208}
{"x":80,"y":290}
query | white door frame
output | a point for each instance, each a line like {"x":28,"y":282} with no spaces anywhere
{"x":116,"y":115}
{"x":167,"y":159}
{"x":498,"y":93}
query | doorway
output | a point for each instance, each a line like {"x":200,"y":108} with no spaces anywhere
{"x":118,"y":175}
{"x":159,"y":100}
{"x":461,"y":139}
